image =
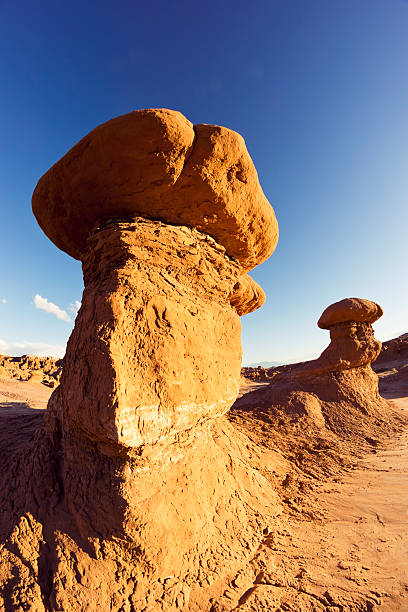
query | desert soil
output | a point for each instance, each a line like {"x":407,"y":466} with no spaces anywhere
{"x":350,"y":553}
{"x":18,"y":397}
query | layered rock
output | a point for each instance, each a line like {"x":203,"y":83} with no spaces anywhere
{"x":156,"y":334}
{"x":148,"y":490}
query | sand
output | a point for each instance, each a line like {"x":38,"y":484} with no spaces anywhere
{"x":19,"y":397}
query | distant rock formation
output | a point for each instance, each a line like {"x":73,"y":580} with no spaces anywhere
{"x":30,"y":367}
{"x":136,"y":494}
{"x":318,"y":404}
{"x":343,"y":372}
{"x":352,"y":338}
{"x":392,"y":352}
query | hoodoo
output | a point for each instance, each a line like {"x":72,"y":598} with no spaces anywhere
{"x":166,"y":218}
{"x":330,"y":400}
{"x":342,"y":378}
{"x":352,"y":338}
{"x":141,"y":492}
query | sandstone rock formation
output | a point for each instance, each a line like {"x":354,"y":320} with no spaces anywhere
{"x":155,"y":164}
{"x":148,"y":498}
{"x":314,"y":406}
{"x":352,"y":339}
{"x":30,"y":367}
{"x":169,"y":331}
{"x":394,"y":352}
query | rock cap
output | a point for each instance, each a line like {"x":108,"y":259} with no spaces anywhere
{"x":350,"y":309}
{"x":154,"y":163}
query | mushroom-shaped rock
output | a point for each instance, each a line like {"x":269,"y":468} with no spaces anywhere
{"x":350,"y":309}
{"x":155,"y":164}
{"x":166,"y":218}
{"x":139,"y":482}
{"x":352,"y":338}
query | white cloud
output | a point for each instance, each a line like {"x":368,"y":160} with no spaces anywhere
{"x":75,"y":306}
{"x":16,"y":349}
{"x":3,"y":301}
{"x":43,"y":304}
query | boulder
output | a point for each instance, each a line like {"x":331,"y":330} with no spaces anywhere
{"x":155,"y":164}
{"x":247,"y":295}
{"x":350,"y":310}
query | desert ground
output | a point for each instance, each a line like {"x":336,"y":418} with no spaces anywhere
{"x":342,"y":544}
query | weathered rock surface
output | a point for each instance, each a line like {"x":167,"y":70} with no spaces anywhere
{"x":163,"y":529}
{"x":247,"y":295}
{"x":301,"y":560}
{"x":154,"y":163}
{"x":156,"y":334}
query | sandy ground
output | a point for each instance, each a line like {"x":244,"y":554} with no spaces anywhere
{"x":18,"y":397}
{"x":355,"y":556}
{"x":351,"y":555}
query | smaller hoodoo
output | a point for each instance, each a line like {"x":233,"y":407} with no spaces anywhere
{"x":328,"y":407}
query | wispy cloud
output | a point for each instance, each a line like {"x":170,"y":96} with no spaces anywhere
{"x":75,"y":306}
{"x":43,"y":304}
{"x":3,"y":301}
{"x":15,"y":349}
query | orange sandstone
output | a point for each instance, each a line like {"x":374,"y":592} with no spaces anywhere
{"x":155,"y":164}
{"x":352,"y":338}
{"x":149,"y":498}
{"x":350,"y":310}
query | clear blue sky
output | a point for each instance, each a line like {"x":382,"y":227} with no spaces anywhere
{"x":318,"y":89}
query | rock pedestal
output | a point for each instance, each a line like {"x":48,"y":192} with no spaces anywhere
{"x":151,"y":495}
{"x":352,"y":342}
{"x":341,"y":383}
{"x":156,"y":347}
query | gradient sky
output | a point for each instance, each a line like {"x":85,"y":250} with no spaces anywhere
{"x":318,"y":89}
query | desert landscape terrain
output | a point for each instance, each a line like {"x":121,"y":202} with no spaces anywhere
{"x":339,"y":540}
{"x":147,"y":471}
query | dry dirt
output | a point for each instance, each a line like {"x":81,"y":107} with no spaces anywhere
{"x":348,"y":551}
{"x":353,"y":554}
{"x":18,"y":397}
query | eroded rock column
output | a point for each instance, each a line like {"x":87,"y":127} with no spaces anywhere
{"x":156,"y":347}
{"x":167,"y":219}
{"x":352,"y":343}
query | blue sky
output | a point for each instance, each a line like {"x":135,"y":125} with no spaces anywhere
{"x":318,"y":89}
